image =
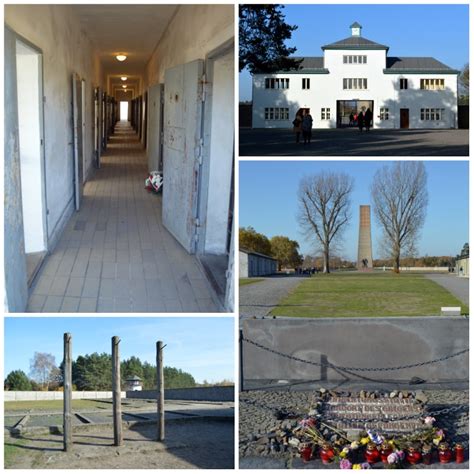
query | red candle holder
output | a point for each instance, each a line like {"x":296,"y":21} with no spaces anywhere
{"x":459,"y":452}
{"x":413,"y":455}
{"x":445,"y":454}
{"x":326,"y":453}
{"x":372,"y":454}
{"x":306,"y":452}
{"x":426,"y":454}
{"x":385,"y":451}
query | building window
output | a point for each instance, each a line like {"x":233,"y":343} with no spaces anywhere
{"x":305,"y":82}
{"x":277,"y":113}
{"x":277,"y":83}
{"x":403,"y":83}
{"x":354,"y":83}
{"x":325,"y":113}
{"x":354,"y":59}
{"x":432,"y":84}
{"x":384,"y":113}
{"x":432,"y":114}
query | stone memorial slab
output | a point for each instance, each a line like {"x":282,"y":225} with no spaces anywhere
{"x":379,"y":414}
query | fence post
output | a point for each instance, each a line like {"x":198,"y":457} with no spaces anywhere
{"x":116,"y":392}
{"x":161,"y":390}
{"x":67,"y":396}
{"x":241,"y":359}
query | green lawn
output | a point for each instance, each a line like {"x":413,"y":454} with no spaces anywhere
{"x":366,"y":294}
{"x":46,"y":405}
{"x":249,"y":281}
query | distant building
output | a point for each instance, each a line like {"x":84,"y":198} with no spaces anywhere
{"x":462,"y":262}
{"x":353,"y":75}
{"x":254,"y":264}
{"x":133,"y":384}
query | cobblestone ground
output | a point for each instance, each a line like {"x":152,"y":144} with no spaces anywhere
{"x":260,"y":298}
{"x":257,"y":418}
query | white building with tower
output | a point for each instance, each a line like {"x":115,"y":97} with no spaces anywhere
{"x":357,"y":74}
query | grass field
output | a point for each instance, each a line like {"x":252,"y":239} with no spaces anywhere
{"x":366,"y":294}
{"x":249,"y":281}
{"x":46,"y":405}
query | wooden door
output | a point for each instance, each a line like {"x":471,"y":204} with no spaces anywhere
{"x":404,"y":118}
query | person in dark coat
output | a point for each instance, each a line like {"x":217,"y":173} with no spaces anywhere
{"x":360,"y":120}
{"x":368,"y":119}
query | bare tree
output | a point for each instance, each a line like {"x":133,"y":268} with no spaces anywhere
{"x":324,"y":201}
{"x":400,"y":200}
{"x":43,"y":368}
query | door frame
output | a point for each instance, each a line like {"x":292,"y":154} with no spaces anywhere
{"x":407,"y":110}
{"x":41,"y":101}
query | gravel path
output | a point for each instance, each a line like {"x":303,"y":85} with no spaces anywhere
{"x":258,"y":299}
{"x":459,"y":287}
{"x":257,"y":418}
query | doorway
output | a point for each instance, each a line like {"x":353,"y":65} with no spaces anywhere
{"x":347,"y":110}
{"x":404,"y":118}
{"x":30,"y":127}
{"x":124,"y":111}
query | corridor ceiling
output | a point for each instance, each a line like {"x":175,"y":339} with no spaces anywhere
{"x":130,"y":29}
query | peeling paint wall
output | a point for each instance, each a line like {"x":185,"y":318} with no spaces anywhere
{"x":56,"y":31}
{"x":194,"y":31}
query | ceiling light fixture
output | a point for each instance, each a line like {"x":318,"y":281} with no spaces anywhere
{"x":124,"y":78}
{"x":124,"y":86}
{"x":121,"y":57}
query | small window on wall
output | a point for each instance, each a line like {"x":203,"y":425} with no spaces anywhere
{"x":305,"y":82}
{"x":325,"y":113}
{"x":434,"y":115}
{"x":403,"y":83}
{"x":277,"y":83}
{"x":277,"y":113}
{"x":432,"y":84}
{"x":384,"y":115}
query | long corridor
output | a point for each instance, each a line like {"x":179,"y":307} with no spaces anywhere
{"x":115,"y":255}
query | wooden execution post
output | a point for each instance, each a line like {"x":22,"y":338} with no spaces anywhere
{"x":116,"y":392}
{"x":67,"y":375}
{"x":241,"y":359}
{"x":160,"y":381}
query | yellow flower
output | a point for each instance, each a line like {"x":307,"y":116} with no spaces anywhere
{"x":364,"y":440}
{"x":354,"y":445}
{"x":356,"y":466}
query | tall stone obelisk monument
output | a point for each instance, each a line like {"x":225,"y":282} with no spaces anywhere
{"x":364,"y":256}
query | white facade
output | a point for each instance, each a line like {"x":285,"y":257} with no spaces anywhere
{"x":396,"y":104}
{"x":253,"y":264}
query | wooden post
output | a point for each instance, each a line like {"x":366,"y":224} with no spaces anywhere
{"x":241,"y":360}
{"x":67,"y":375}
{"x":116,"y":392}
{"x":160,"y":381}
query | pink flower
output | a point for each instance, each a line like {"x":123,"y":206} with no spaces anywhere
{"x":307,"y":423}
{"x":392,"y":458}
{"x":400,"y":454}
{"x":429,"y":420}
{"x":345,"y":464}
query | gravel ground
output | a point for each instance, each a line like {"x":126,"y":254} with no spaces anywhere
{"x":257,"y":418}
{"x":260,"y":298}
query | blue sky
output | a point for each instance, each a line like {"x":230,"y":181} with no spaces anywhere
{"x":203,"y":347}
{"x":441,"y":31}
{"x":268,"y":202}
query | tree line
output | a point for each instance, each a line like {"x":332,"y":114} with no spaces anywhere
{"x":92,"y":372}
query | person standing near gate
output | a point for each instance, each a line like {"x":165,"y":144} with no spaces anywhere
{"x":368,"y":119}
{"x":360,"y":120}
{"x":297,"y":126}
{"x":306,"y":126}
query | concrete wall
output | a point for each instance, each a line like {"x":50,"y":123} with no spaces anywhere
{"x":464,"y":264}
{"x":15,"y":396}
{"x":210,"y":394}
{"x":56,"y":31}
{"x":417,"y":269}
{"x":357,"y":342}
{"x":251,"y":265}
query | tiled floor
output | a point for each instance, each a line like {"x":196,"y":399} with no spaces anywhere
{"x":115,"y":255}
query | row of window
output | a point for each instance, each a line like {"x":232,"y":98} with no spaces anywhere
{"x":283,"y":113}
{"x":354,"y":59}
{"x":354,"y":83}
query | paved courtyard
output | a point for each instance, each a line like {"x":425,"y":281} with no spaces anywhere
{"x":459,"y":287}
{"x":350,"y":142}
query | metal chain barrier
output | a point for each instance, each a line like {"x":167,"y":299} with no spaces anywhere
{"x":359,"y":369}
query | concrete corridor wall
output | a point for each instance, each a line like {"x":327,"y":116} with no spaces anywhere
{"x":357,"y":342}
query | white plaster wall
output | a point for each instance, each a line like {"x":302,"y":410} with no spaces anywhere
{"x":27,"y":66}
{"x":243,"y":265}
{"x":194,"y":31}
{"x":221,"y":154}
{"x":55,"y":30}
{"x":383,"y":89}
